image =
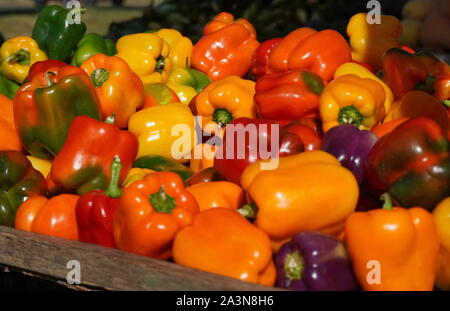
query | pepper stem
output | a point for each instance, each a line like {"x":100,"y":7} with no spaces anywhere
{"x":111,"y":119}
{"x":248,"y":211}
{"x":162,"y":202}
{"x":99,"y":76}
{"x":386,"y":197}
{"x":160,"y":63}
{"x":222,"y":117}
{"x":294,"y":266}
{"x":427,"y":85}
{"x":47,"y":77}
{"x":313,"y":82}
{"x":21,"y":57}
{"x":350,"y":115}
{"x":113,"y":190}
{"x":446,"y":102}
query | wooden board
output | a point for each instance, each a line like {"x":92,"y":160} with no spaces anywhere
{"x":104,"y":268}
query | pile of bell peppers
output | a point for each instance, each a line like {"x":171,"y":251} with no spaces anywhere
{"x":358,"y":128}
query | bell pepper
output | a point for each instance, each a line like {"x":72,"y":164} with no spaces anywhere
{"x":311,"y":139}
{"x":10,"y":140}
{"x":92,"y":44}
{"x":187,"y":82}
{"x":45,"y":107}
{"x":247,"y":141}
{"x":403,"y":243}
{"x":260,"y":60}
{"x":95,"y":210}
{"x":41,"y":165}
{"x":307,"y":49}
{"x":150,"y":214}
{"x":204,"y":176}
{"x":314,"y":261}
{"x":217,"y":194}
{"x":18,"y":182}
{"x":153,"y":127}
{"x":135,"y":174}
{"x":85,"y":159}
{"x":55,"y":216}
{"x":350,"y":99}
{"x":162,"y":164}
{"x":221,"y":241}
{"x":226,"y":47}
{"x":288,"y":95}
{"x":7,"y":87}
{"x":362,"y":72}
{"x":148,"y":56}
{"x":441,"y":215}
{"x":412,"y":164}
{"x":202,"y":157}
{"x":225,"y":100}
{"x":42,"y":67}
{"x":158,"y":94}
{"x":386,"y":127}
{"x":56,"y":36}
{"x":351,"y":147}
{"x":308,"y":191}
{"x":180,"y":47}
{"x":404,"y":72}
{"x":17,"y":55}
{"x":119,"y":89}
{"x":370,"y":41}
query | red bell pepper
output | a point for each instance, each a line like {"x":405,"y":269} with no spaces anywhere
{"x":260,"y":60}
{"x":44,"y":66}
{"x":309,"y":130}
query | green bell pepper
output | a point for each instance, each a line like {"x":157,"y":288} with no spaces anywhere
{"x":90,"y":45}
{"x":7,"y":87}
{"x":161,"y":164}
{"x":55,"y":35}
{"x":18,"y":182}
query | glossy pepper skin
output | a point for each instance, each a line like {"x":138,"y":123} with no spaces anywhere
{"x":309,"y":130}
{"x":85,"y":159}
{"x":7,"y":87}
{"x":17,"y":55}
{"x":304,"y":49}
{"x":158,"y":94}
{"x":187,"y":82}
{"x":55,"y":35}
{"x":226,"y":48}
{"x":148,"y":56}
{"x":222,"y":241}
{"x":307,"y":191}
{"x":10,"y":140}
{"x":95,"y":211}
{"x":245,"y":150}
{"x":162,"y":164}
{"x":409,"y":262}
{"x":351,"y":147}
{"x":287,"y":96}
{"x":217,"y":194}
{"x":441,"y":215}
{"x":92,"y":44}
{"x":207,"y":152}
{"x":412,"y":163}
{"x":225,"y":100}
{"x":55,"y":216}
{"x":18,"y":182}
{"x":180,"y":47}
{"x":350,"y":99}
{"x":45,"y":107}
{"x":44,"y":66}
{"x":119,"y":89}
{"x":404,"y":72}
{"x":314,"y":261}
{"x":260,"y":60}
{"x":150,"y":214}
{"x":153,"y":127}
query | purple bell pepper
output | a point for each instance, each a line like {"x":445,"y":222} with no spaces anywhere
{"x":350,"y":146}
{"x":314,"y":261}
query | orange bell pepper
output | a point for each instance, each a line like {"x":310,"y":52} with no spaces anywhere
{"x":222,"y":241}
{"x":386,"y":127}
{"x":119,"y":89}
{"x":226,"y":48}
{"x":207,"y":157}
{"x":404,"y":243}
{"x":308,"y":191}
{"x":10,"y":139}
{"x":217,"y":194}
{"x":307,"y":49}
{"x":441,"y":215}
{"x":55,"y":216}
{"x":151,"y":212}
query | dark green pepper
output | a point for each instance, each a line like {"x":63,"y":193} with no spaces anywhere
{"x":90,"y":45}
{"x":18,"y":182}
{"x":7,"y":87}
{"x":55,"y":34}
{"x":160,"y":164}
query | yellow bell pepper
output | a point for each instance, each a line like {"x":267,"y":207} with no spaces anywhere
{"x":180,"y":47}
{"x":352,"y":100}
{"x":187,"y":82}
{"x":17,"y":55}
{"x":135,"y":174}
{"x":441,"y":215}
{"x":225,"y":100}
{"x":42,"y":165}
{"x":165,"y":130}
{"x":148,"y":56}
{"x":362,"y":72}
{"x":370,"y":41}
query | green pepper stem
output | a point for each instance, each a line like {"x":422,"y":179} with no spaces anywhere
{"x":427,"y":85}
{"x":313,"y":82}
{"x":111,"y":119}
{"x":350,"y":115}
{"x":294,"y":266}
{"x":222,"y":117}
{"x":446,"y":102}
{"x":99,"y":76}
{"x":248,"y":211}
{"x":162,"y":202}
{"x":386,"y":197}
{"x":160,"y":63}
{"x":113,"y":190}
{"x":21,"y":57}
